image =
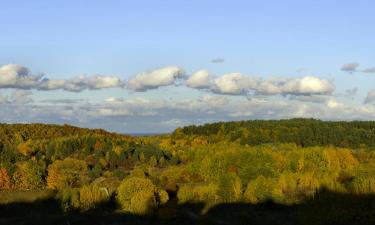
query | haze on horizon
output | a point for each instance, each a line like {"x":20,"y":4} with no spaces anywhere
{"x":152,"y":66}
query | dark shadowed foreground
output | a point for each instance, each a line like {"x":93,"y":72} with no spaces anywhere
{"x":325,"y":208}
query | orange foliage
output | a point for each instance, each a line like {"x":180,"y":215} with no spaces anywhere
{"x":5,"y":182}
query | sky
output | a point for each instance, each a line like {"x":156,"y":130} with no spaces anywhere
{"x":151,"y":66}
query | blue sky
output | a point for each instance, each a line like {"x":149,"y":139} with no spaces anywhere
{"x":261,"y":40}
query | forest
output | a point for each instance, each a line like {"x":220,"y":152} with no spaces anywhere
{"x":297,"y":171}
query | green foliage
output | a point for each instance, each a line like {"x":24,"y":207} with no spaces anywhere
{"x":303,"y":132}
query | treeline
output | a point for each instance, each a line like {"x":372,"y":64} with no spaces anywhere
{"x":38,"y":156}
{"x":18,"y":133}
{"x":303,"y":132}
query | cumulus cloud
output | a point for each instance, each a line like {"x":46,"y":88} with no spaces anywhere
{"x":370,"y":98}
{"x":17,"y":76}
{"x":239,"y":84}
{"x":350,"y":67}
{"x":155,"y":78}
{"x":233,"y":84}
{"x":201,"y":79}
{"x":308,"y":85}
{"x":81,"y":83}
{"x":20,"y":77}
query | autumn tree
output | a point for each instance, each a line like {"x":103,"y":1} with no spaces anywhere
{"x":5,"y":181}
{"x":28,"y":175}
{"x":140,"y":195}
{"x":67,"y":173}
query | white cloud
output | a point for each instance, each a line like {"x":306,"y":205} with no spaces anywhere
{"x":17,"y":76}
{"x":233,"y":84}
{"x":239,"y":84}
{"x":307,"y":86}
{"x":155,"y":78}
{"x":20,"y":77}
{"x":81,"y":83}
{"x":201,"y":79}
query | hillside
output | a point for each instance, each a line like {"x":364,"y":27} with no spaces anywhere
{"x":288,"y":168}
{"x":303,"y":132}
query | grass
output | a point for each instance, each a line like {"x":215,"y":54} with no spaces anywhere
{"x":24,"y":196}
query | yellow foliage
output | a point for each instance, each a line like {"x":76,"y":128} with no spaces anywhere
{"x":118,"y":150}
{"x":67,"y":173}
{"x":24,"y":148}
{"x":91,"y":195}
{"x":259,"y":190}
{"x":140,"y":195}
{"x":198,"y":193}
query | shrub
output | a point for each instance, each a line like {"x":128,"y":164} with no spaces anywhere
{"x":92,"y":195}
{"x":69,"y":199}
{"x":230,"y":187}
{"x":200,"y":193}
{"x":362,"y":185}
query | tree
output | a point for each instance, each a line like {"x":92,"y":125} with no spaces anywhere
{"x":67,"y":173}
{"x":28,"y":175}
{"x":259,"y":190}
{"x":230,"y":187}
{"x":5,"y":181}
{"x":140,"y":195}
{"x":25,"y":149}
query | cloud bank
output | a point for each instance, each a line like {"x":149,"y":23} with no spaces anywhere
{"x":20,"y":77}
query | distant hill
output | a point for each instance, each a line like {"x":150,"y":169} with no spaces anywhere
{"x":303,"y":132}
